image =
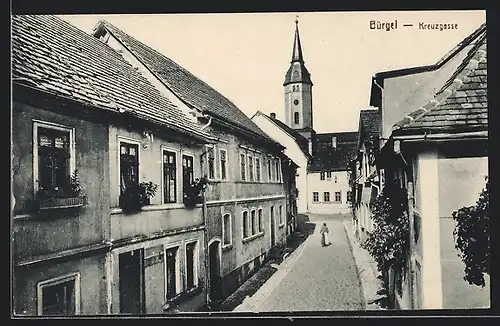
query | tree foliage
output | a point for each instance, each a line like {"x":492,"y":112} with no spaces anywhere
{"x":389,"y":242}
{"x":472,"y":238}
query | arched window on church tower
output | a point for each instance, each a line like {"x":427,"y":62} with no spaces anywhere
{"x":296,"y":118}
{"x":297,"y":88}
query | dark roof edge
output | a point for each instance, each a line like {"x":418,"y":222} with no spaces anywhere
{"x":183,"y":131}
{"x":234,"y":127}
{"x":420,"y":69}
{"x":285,"y":131}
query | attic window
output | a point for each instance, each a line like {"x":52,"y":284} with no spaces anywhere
{"x":334,"y":142}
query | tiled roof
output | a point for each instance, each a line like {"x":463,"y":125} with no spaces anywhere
{"x":189,"y":88}
{"x":51,"y":55}
{"x":327,"y":158}
{"x":301,"y":140}
{"x":461,"y":103}
{"x":370,"y":122}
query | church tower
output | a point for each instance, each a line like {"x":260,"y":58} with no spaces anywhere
{"x":298,"y":92}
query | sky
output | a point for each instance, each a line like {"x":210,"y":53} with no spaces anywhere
{"x":245,"y":55}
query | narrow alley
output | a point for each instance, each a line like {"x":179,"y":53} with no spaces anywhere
{"x":321,"y":278}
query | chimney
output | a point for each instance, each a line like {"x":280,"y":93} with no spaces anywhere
{"x":273,"y":115}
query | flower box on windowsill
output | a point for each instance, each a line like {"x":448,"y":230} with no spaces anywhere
{"x":64,"y":202}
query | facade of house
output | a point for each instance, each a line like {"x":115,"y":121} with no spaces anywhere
{"x":81,"y":107}
{"x":328,"y":173}
{"x":296,"y":148}
{"x":245,"y":199}
{"x":365,"y":182}
{"x":437,"y":155}
{"x":137,"y":227}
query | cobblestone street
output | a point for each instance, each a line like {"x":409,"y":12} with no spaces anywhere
{"x":322,"y":278}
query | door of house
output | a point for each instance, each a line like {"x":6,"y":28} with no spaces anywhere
{"x":131,"y":279}
{"x":273,"y":228}
{"x":214,"y":263}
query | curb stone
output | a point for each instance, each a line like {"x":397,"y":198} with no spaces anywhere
{"x":366,"y":267}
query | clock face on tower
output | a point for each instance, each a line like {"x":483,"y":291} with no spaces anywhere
{"x":296,"y":102}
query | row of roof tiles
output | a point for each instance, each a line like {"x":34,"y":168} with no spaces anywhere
{"x":52,"y":55}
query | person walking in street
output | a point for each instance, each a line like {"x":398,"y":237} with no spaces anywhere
{"x":324,"y":235}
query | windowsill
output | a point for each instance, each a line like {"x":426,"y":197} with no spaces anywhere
{"x":218,"y":181}
{"x":182,"y":296}
{"x":252,"y":237}
{"x":327,"y":202}
{"x":155,"y":207}
{"x":258,"y":182}
{"x":227,"y":247}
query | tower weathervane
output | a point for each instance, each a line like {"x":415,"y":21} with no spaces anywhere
{"x":296,"y":19}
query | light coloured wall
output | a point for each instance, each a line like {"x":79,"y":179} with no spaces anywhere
{"x":406,"y":94}
{"x":460,"y":183}
{"x":304,"y":96}
{"x":314,"y":184}
{"x":156,"y":217}
{"x":293,"y":151}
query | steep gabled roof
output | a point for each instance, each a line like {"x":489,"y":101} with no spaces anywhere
{"x":327,"y":158}
{"x":461,"y":104}
{"x":189,"y":88}
{"x":53,"y":56}
{"x":301,"y":141}
{"x":297,"y":73}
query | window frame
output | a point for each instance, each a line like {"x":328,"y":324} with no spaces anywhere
{"x":72,"y":147}
{"x":279,"y":176}
{"x":340,"y":196}
{"x":220,"y":164}
{"x":176,"y":155}
{"x":55,"y":281}
{"x":315,"y":195}
{"x":328,"y":175}
{"x":189,"y":154}
{"x":243,"y":166}
{"x":178,"y":279}
{"x":322,"y":176}
{"x":196,"y":263}
{"x":225,"y":245}
{"x":258,"y":170}
{"x":210,"y":149}
{"x":260,"y":220}
{"x":244,"y":224}
{"x":270,"y":169}
{"x":253,"y":224}
{"x":325,"y":195}
{"x":250,"y":168}
{"x":129,"y":140}
{"x":281,"y":219}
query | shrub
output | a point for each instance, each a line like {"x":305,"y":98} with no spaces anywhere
{"x":472,"y":238}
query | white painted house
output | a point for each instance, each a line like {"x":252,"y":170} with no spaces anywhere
{"x":296,"y":149}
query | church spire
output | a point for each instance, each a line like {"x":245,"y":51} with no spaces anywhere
{"x":297,"y":48}
{"x":297,"y":73}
